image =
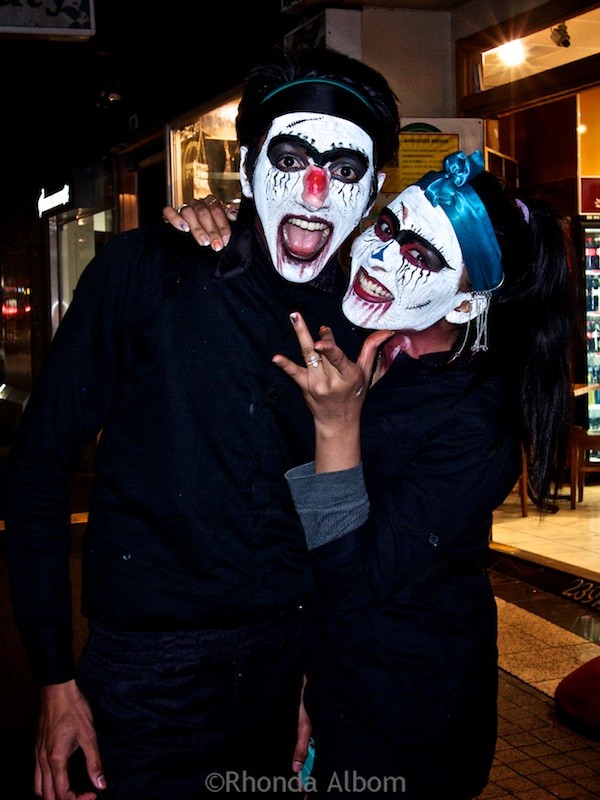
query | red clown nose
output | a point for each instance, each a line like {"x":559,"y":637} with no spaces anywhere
{"x":316,"y":186}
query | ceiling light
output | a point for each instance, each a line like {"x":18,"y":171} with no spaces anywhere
{"x":511,"y":53}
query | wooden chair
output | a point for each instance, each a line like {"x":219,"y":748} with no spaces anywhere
{"x":582,"y":441}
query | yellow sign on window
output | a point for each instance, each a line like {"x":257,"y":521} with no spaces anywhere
{"x":419,"y":153}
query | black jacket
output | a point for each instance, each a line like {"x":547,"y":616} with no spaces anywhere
{"x":166,"y":350}
{"x":404,"y":639}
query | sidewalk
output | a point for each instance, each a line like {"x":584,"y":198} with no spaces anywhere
{"x":537,"y":756}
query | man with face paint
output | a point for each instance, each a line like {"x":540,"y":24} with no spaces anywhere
{"x":195,"y":571}
{"x":469,"y":291}
{"x":314,"y":178}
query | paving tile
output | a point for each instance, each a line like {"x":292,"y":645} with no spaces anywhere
{"x":527,"y":766}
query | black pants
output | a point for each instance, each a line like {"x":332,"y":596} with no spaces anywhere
{"x":195,"y":714}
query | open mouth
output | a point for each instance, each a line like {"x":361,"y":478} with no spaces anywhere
{"x":303,"y":239}
{"x":369,"y":289}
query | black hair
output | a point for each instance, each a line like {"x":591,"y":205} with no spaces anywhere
{"x":531,"y":324}
{"x":318,"y":62}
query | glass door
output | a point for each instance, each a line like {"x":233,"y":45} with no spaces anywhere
{"x":74,"y":241}
{"x":204,"y":154}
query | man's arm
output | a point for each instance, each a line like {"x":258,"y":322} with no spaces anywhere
{"x":64,"y":413}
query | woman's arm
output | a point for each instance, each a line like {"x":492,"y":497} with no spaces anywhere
{"x":329,"y":493}
{"x":334,"y":388}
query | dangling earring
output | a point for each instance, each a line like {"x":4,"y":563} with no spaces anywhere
{"x":457,"y":354}
{"x":480,"y":344}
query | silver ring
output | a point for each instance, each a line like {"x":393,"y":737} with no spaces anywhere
{"x":314,"y":360}
{"x":212,"y":201}
{"x":182,"y":206}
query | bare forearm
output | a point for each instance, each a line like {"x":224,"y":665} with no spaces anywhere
{"x":337,"y":448}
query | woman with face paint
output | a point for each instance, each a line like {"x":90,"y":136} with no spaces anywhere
{"x":470,"y":291}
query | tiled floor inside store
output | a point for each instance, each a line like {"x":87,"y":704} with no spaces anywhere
{"x":570,"y":536}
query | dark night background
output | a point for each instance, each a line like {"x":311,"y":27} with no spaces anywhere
{"x":163,"y":59}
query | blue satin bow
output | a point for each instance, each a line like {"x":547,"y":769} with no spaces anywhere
{"x":468,"y":216}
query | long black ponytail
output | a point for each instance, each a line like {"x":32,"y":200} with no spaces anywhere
{"x":531,"y":329}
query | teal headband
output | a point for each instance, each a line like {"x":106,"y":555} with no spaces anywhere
{"x":323,"y":96}
{"x":468,"y":216}
{"x":313,"y":81}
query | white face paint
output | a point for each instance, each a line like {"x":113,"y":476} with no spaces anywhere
{"x":311,"y":185}
{"x":406,"y":269}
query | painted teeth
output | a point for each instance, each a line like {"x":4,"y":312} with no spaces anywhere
{"x":375,"y":289}
{"x":307,"y":225}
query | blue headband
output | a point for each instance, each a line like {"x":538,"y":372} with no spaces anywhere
{"x":468,"y":216}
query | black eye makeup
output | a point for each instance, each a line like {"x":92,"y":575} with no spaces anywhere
{"x":288,"y":154}
{"x":414,"y":248}
{"x":387,"y":225}
{"x":291,"y":154}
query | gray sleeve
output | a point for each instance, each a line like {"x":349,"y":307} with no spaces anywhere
{"x":329,"y":504}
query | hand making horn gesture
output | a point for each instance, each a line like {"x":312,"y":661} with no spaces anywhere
{"x":334,"y":387}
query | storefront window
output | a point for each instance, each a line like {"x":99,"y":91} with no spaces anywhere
{"x":204,"y":154}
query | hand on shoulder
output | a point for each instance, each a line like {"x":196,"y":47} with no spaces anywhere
{"x":208,"y":220}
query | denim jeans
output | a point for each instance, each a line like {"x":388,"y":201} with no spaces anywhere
{"x":192,"y":714}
